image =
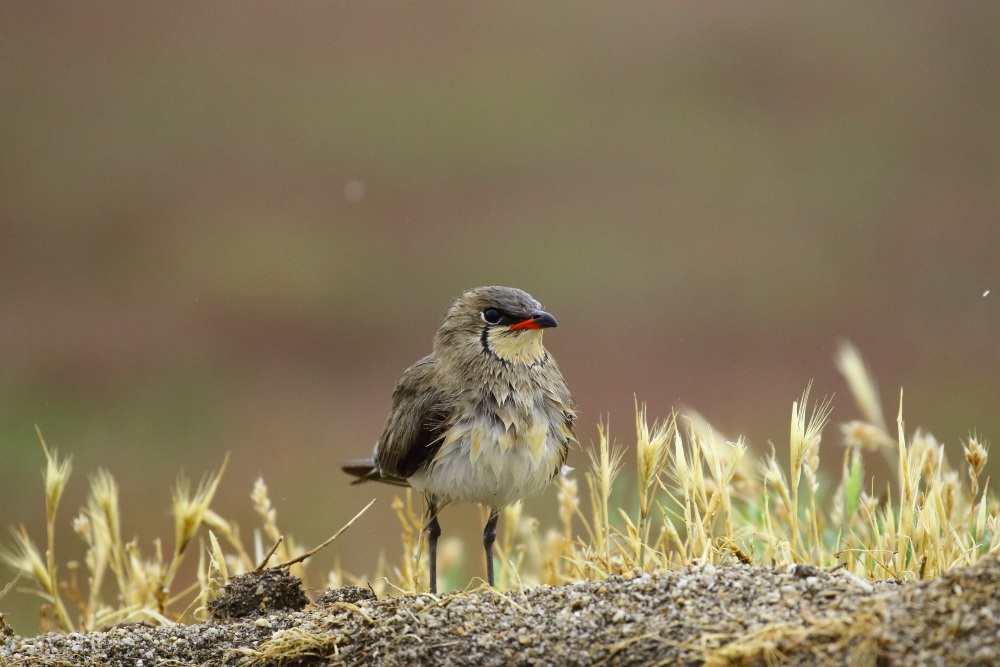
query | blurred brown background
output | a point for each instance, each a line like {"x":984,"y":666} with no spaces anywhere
{"x":231,"y":227}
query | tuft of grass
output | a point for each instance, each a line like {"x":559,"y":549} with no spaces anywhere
{"x":25,"y":557}
{"x":143,"y":587}
{"x":696,"y":496}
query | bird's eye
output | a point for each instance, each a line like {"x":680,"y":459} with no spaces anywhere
{"x":491,"y":316}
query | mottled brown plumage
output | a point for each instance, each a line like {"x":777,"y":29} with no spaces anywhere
{"x":485,"y":418}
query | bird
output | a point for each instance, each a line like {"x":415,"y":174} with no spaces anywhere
{"x":485,"y":418}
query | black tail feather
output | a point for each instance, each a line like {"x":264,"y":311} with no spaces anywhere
{"x":366,"y":471}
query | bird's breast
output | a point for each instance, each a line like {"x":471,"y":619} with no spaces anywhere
{"x":496,"y":452}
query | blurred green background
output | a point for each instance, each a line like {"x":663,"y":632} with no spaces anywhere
{"x":230,"y":227}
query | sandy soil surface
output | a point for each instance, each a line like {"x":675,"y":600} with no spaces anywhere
{"x":737,"y":615}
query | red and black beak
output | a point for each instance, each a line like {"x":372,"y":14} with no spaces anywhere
{"x":538,"y":320}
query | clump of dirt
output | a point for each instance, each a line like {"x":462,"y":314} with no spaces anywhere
{"x":259,"y":593}
{"x":697,"y":615}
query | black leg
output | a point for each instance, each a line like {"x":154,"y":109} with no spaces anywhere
{"x":433,"y":529}
{"x":489,"y":537}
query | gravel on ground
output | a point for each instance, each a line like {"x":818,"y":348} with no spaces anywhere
{"x":697,"y":615}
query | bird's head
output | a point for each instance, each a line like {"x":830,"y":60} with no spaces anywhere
{"x":501,"y":321}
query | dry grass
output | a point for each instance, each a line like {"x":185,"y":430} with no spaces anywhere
{"x":714,"y":509}
{"x":695,"y":497}
{"x":143,"y":588}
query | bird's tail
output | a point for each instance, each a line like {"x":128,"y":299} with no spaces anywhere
{"x":366,"y":471}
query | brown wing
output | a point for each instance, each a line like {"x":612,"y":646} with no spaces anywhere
{"x":412,"y":433}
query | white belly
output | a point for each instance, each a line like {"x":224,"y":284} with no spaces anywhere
{"x":491,"y":466}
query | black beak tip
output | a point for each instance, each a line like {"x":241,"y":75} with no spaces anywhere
{"x":544,"y":320}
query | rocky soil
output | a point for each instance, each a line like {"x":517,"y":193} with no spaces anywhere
{"x":700,"y":615}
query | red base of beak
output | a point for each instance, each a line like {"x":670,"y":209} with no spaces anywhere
{"x":526,"y":324}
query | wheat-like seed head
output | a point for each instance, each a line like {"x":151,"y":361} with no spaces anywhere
{"x":26,"y":558}
{"x":861,"y":383}
{"x":56,"y":474}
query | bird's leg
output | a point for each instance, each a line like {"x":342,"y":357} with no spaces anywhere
{"x":433,"y":529}
{"x":489,"y":537}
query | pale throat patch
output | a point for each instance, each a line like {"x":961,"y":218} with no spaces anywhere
{"x":517,"y":347}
